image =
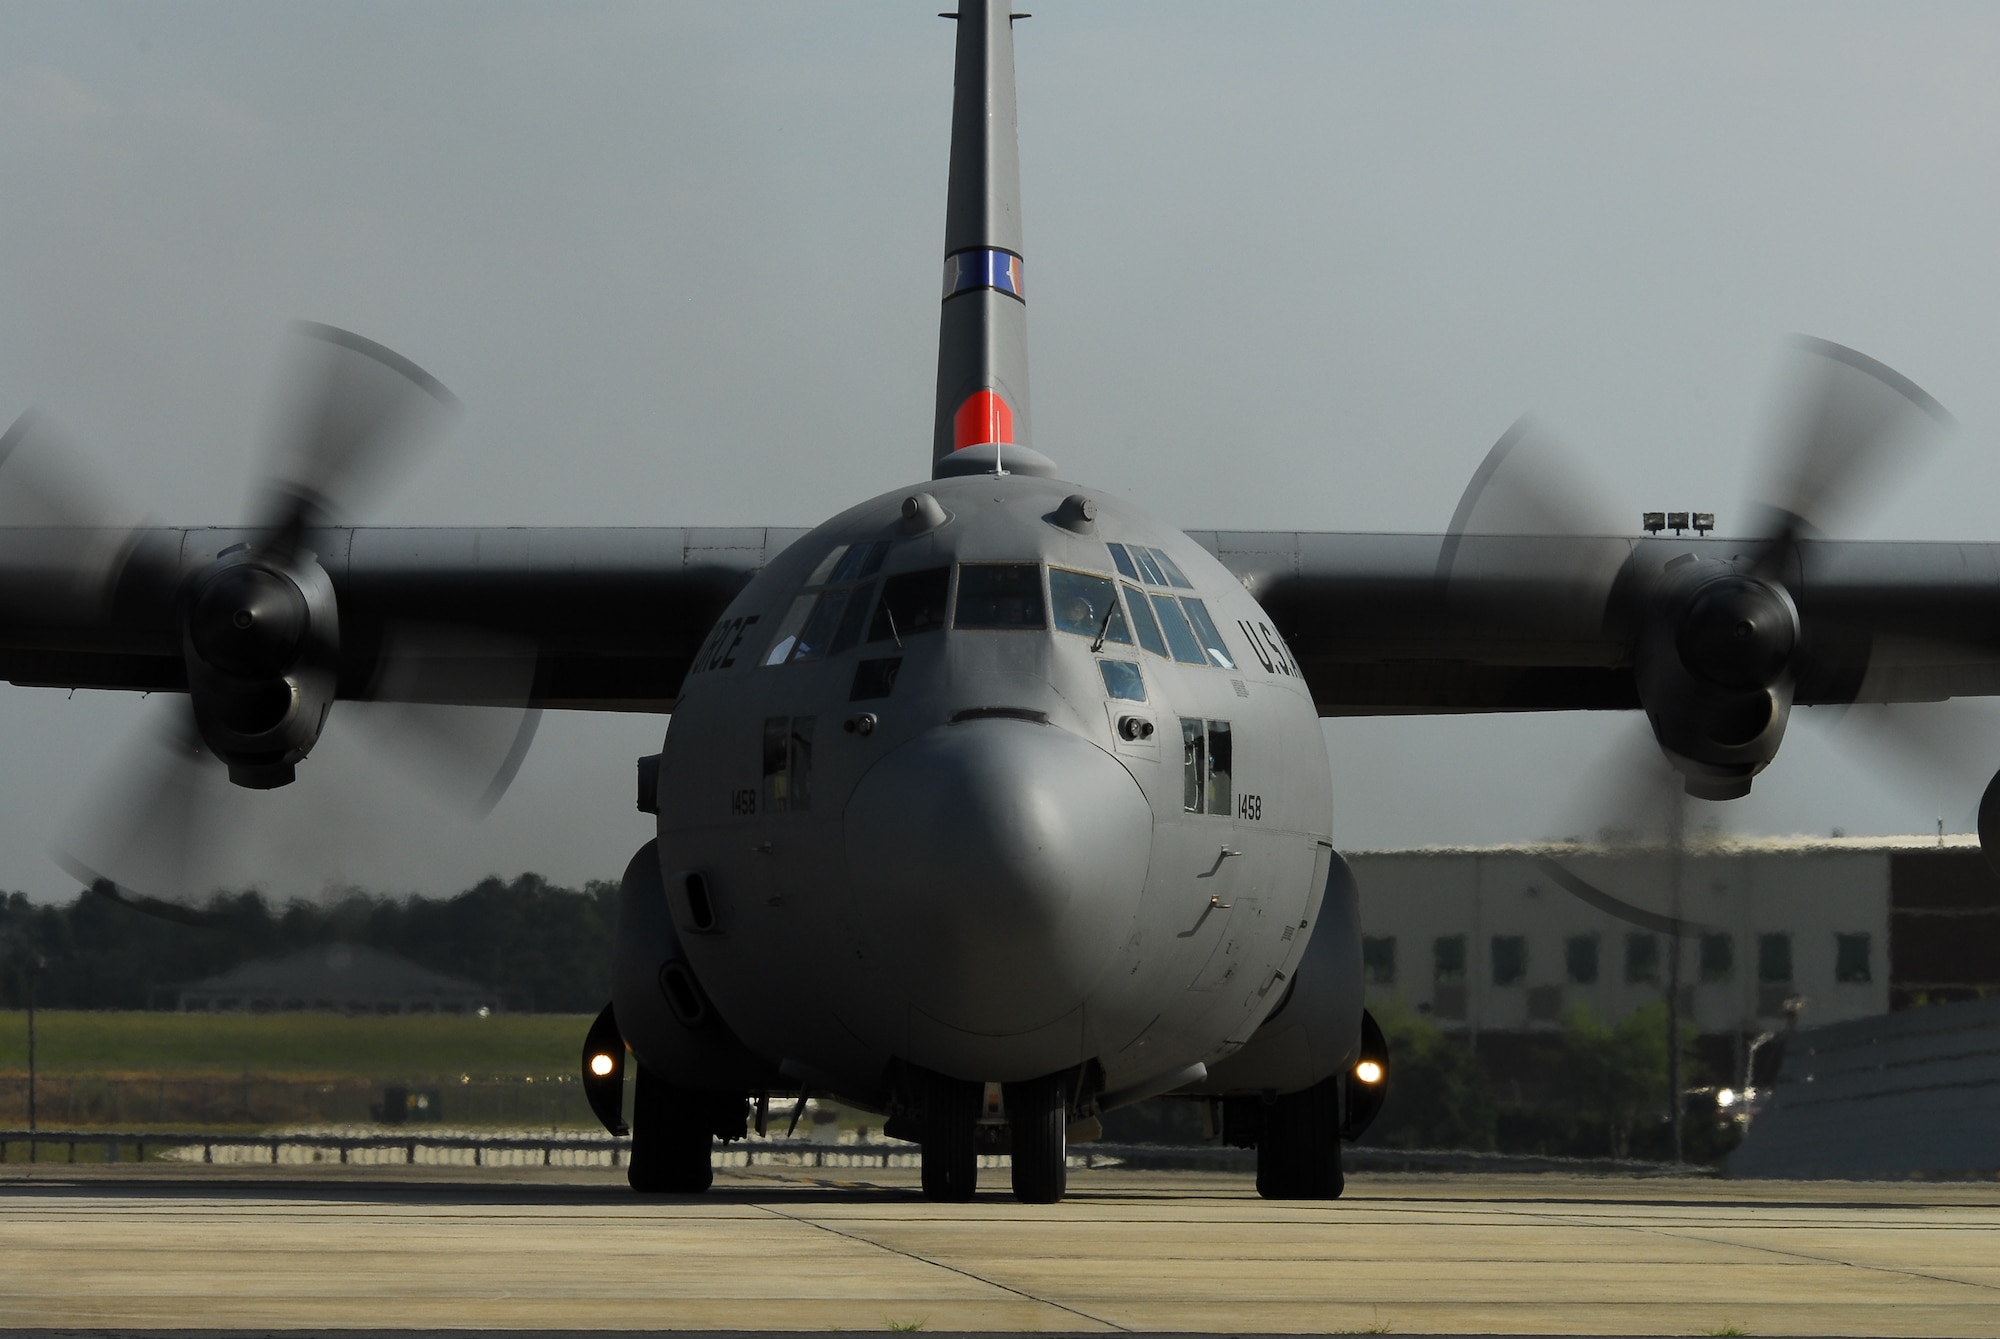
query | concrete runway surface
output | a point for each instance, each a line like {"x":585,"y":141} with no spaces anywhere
{"x":141,"y":1249}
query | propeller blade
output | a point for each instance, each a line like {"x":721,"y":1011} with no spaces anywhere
{"x":147,"y":837}
{"x":1634,"y":800}
{"x":350,"y":413}
{"x":1849,"y":421}
{"x":1638,"y":807}
{"x":68,"y":536}
{"x":415,"y":711}
{"x":1528,"y":484}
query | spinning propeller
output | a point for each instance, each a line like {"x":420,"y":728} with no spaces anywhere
{"x":259,"y":630}
{"x":1719,"y":649}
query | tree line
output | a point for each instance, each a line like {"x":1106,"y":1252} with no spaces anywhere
{"x":540,"y":946}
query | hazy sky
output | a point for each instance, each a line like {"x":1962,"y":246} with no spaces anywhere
{"x":1289,"y":266}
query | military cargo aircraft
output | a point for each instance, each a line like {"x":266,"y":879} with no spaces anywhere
{"x":994,"y":803}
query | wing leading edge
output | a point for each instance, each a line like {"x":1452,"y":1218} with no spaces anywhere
{"x":612,"y":617}
{"x":1388,"y":624}
{"x":1378,"y":624}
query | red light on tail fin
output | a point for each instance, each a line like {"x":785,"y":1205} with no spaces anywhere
{"x":984,"y":417}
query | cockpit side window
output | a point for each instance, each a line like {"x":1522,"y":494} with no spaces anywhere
{"x":1122,"y":680}
{"x":861,"y":560}
{"x":1208,"y":766}
{"x":1207,"y":633}
{"x":1179,"y":636}
{"x":911,"y":603}
{"x":818,"y":625}
{"x":826,"y":565}
{"x":817,"y":633}
{"x":1136,"y":562}
{"x":1087,"y":606}
{"x":1170,"y":570}
{"x":1194,"y":765}
{"x":1143,"y":620}
{"x":788,"y":749}
{"x":853,"y":618}
{"x":1000,"y":595}
{"x":788,"y":629}
{"x":1148,"y":569}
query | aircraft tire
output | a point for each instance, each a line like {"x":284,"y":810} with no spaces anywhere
{"x":670,"y":1139}
{"x":950,"y":1131}
{"x":1298,"y":1157}
{"x":1038,"y":1112}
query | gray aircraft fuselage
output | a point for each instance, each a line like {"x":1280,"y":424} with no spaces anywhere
{"x":935,"y":806}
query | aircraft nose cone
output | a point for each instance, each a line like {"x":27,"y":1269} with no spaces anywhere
{"x":996,"y":868}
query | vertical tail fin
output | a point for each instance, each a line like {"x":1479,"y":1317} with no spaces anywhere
{"x":982,"y":383}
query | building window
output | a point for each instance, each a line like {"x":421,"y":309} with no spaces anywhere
{"x":1448,"y":955}
{"x":1850,"y":959}
{"x":1545,"y":1004}
{"x":1510,"y":959}
{"x":1642,"y":958}
{"x":1718,"y":957}
{"x":788,"y":742}
{"x":1378,"y":961}
{"x":1580,"y":959}
{"x":1774,"y":959}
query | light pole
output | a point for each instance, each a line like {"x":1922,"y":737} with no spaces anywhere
{"x":36,"y":962}
{"x":1676,"y":861}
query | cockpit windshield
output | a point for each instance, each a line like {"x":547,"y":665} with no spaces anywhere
{"x":912,"y":603}
{"x":1000,"y":595}
{"x":1088,"y":606}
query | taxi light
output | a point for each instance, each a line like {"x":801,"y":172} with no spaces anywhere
{"x":1368,"y":1072}
{"x":602,"y":1064}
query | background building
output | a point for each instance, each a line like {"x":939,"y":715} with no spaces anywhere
{"x":345,"y":978}
{"x":1500,"y":943}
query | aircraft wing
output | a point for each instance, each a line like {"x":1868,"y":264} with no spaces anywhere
{"x":1384,"y":624}
{"x":612,"y":618}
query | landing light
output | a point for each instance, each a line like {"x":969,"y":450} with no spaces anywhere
{"x":602,"y":1064}
{"x":1368,"y":1072}
{"x":1726,"y":1098}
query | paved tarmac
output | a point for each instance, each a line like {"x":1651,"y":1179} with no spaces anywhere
{"x":137,"y":1249}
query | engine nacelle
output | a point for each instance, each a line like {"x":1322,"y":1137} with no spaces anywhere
{"x":261,"y":641}
{"x":662,"y":1010}
{"x":1713,"y":670}
{"x":1315,"y":1030}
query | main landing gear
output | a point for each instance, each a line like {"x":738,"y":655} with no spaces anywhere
{"x":672,"y":1131}
{"x":1298,"y":1135}
{"x":1298,"y":1154}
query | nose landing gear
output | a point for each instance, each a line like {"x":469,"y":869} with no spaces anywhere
{"x":1038,"y":1113}
{"x":948,"y":1116}
{"x":947,"y":1126}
